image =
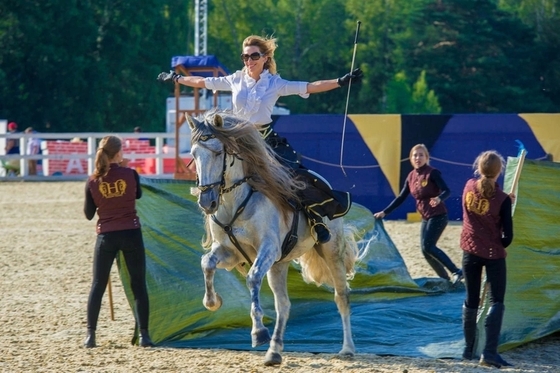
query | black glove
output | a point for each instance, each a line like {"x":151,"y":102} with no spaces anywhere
{"x":170,"y":76}
{"x":356,"y":77}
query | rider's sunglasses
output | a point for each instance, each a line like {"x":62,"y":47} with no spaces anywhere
{"x":254,"y":56}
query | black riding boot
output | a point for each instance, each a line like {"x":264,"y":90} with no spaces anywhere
{"x":145,"y":340}
{"x":323,"y":233}
{"x":89,"y":342}
{"x":469,"y":331}
{"x":493,"y":326}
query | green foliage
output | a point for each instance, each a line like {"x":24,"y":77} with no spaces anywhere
{"x":543,"y":17}
{"x":91,"y":65}
{"x":403,"y":99}
{"x":424,"y":99}
{"x":82,"y":66}
{"x":399,"y":98}
{"x":477,"y":58}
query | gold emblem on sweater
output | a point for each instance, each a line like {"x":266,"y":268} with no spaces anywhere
{"x":110,"y":190}
{"x":424,"y":182}
{"x":478,"y":206}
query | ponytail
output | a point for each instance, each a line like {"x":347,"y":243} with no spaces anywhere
{"x":108,"y":148}
{"x":488,"y":165}
{"x":486,"y":187}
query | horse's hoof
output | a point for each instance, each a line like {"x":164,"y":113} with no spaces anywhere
{"x":272,"y":358}
{"x":260,"y":337}
{"x":213,"y":306}
{"x":346,"y":353}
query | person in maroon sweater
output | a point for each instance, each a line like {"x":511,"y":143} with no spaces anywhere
{"x":429,"y":190}
{"x":112,"y":191}
{"x":487,"y":231}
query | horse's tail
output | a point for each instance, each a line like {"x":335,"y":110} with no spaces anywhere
{"x":342,"y":250}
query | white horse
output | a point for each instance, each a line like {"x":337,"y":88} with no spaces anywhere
{"x":245,"y":194}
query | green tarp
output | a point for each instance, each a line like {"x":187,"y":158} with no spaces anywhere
{"x":392,"y":314}
{"x":533,"y":263}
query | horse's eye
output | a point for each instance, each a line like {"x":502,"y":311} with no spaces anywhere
{"x":205,"y":138}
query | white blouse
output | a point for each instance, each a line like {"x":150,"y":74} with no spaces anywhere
{"x":254,"y":100}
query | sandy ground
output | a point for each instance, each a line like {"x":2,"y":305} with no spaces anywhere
{"x":46,"y":249}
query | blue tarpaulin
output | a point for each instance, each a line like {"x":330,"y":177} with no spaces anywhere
{"x":392,"y":314}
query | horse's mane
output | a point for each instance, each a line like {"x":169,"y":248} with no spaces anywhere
{"x":240,"y":137}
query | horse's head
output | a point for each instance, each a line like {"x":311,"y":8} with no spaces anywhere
{"x":209,"y":155}
{"x":229,"y":152}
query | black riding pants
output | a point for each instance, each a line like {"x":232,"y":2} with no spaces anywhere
{"x":430,"y":232}
{"x":107,"y":246}
{"x":495,"y":277}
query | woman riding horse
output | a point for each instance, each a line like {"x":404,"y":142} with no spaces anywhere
{"x":255,"y":90}
{"x":244,"y":192}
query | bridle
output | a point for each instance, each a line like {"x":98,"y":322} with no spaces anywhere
{"x":222,"y":183}
{"x":228,"y":228}
{"x":291,"y":237}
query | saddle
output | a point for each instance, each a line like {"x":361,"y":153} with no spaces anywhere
{"x":319,"y":199}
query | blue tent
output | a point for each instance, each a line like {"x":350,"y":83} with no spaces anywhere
{"x":205,"y":66}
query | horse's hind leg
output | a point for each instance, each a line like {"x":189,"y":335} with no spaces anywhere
{"x":212,"y":300}
{"x":277,"y":280}
{"x":336,"y":263}
{"x":341,"y":298}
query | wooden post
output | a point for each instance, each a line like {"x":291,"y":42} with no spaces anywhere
{"x":110,"y":293}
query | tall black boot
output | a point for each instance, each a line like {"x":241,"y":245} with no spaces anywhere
{"x":469,"y":331}
{"x":89,"y":342}
{"x":322,"y":231}
{"x":145,"y":340}
{"x":493,"y":326}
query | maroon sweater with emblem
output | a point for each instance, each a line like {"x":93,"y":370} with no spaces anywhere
{"x":423,"y":183}
{"x":114,"y":198}
{"x":487,"y":227}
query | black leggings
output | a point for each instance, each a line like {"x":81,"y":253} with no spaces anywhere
{"x":430,"y":232}
{"x":495,"y":277}
{"x":107,"y":246}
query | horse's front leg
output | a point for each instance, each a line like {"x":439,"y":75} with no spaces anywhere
{"x":277,"y":280}
{"x":218,"y":257}
{"x":265,"y":259}
{"x":212,"y":300}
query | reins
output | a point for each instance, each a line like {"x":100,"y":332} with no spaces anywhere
{"x":223,"y":190}
{"x":291,"y":237}
{"x":228,"y":227}
{"x":222,"y":182}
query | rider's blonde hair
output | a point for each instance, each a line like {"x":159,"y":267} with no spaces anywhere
{"x":266,"y":46}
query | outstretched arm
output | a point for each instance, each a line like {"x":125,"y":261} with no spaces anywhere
{"x":405,"y":192}
{"x":322,"y":86}
{"x":327,"y":85}
{"x":190,"y":81}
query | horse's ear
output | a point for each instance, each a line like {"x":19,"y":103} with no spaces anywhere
{"x":218,"y":120}
{"x":192,"y":125}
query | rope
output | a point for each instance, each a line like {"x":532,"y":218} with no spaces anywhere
{"x":401,"y":161}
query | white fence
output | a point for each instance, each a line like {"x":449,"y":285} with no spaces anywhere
{"x":162,"y":152}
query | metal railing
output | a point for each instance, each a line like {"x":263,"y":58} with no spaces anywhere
{"x":92,"y":139}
